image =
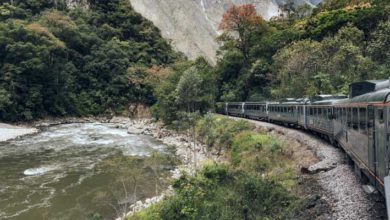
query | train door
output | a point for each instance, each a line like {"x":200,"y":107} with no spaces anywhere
{"x":380,"y":143}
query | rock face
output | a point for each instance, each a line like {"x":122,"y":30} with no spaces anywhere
{"x":192,"y":25}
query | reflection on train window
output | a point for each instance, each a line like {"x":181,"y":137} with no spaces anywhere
{"x":349,"y":124}
{"x":363,"y":120}
{"x":355,"y":119}
{"x":380,"y":116}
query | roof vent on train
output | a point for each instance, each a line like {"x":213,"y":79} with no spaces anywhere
{"x":360,"y":88}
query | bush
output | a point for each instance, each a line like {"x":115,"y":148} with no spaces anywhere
{"x":219,"y":131}
{"x":243,"y":196}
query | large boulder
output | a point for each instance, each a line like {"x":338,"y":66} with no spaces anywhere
{"x":134,"y":130}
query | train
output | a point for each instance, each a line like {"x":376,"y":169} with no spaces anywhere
{"x":359,"y":123}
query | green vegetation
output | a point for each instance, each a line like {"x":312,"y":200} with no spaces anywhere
{"x":257,"y":181}
{"x":58,"y":62}
{"x":296,"y":56}
{"x":188,"y":87}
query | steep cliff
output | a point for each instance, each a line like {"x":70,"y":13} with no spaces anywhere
{"x":192,"y":25}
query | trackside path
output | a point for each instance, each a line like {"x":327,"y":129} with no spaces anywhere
{"x":338,"y":185}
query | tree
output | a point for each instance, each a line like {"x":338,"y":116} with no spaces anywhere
{"x":310,"y":67}
{"x":188,"y":90}
{"x":242,"y":22}
{"x":378,"y":46}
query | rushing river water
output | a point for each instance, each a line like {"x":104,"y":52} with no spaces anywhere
{"x":71,"y":171}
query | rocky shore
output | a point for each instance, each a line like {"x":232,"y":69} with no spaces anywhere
{"x":8,"y":132}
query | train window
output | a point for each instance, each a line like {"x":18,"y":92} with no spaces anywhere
{"x":337,"y":114}
{"x":363,"y":120}
{"x":348,"y":114}
{"x":380,"y":116}
{"x":355,"y":119}
{"x":310,"y":111}
{"x":345,"y":115}
{"x":319,"y":112}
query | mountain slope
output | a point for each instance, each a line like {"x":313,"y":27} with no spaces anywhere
{"x":192,"y":25}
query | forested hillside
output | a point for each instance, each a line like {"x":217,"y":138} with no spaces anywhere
{"x":57,"y":62}
{"x":306,"y":52}
{"x":298,"y":55}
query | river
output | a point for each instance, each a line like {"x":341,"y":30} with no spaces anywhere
{"x":75,"y":171}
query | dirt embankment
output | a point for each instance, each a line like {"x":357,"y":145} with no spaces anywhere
{"x":332,"y":189}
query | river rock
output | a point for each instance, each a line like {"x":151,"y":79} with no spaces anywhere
{"x":134,"y":130}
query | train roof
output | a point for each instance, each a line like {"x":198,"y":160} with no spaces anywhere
{"x":327,"y":97}
{"x":328,"y":102}
{"x":380,"y":96}
{"x":256,"y":103}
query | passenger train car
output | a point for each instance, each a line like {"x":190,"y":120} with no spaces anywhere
{"x":359,"y":123}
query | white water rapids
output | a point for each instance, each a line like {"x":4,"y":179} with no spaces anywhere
{"x":53,"y":174}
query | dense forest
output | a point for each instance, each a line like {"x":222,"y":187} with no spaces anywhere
{"x":301,"y":54}
{"x":58,"y":62}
